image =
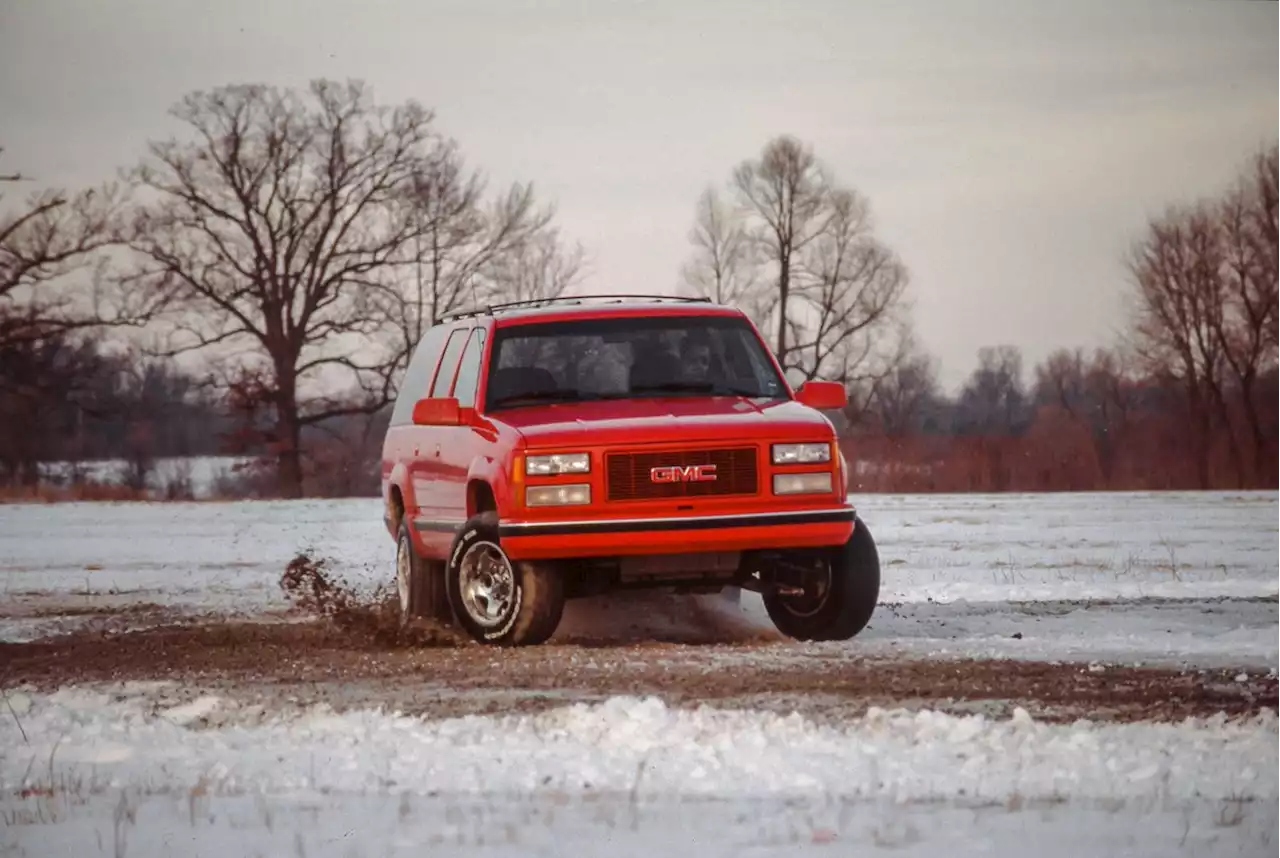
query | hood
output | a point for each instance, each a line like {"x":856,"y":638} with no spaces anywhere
{"x":616,"y":422}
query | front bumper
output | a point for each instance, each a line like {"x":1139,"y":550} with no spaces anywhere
{"x":545,"y":540}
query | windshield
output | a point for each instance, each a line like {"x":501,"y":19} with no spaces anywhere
{"x":624,"y":358}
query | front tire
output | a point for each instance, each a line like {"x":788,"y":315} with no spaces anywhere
{"x":839,"y":607}
{"x":495,"y":599}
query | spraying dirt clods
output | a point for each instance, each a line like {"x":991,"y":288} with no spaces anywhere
{"x":313,"y":588}
{"x":617,"y":619}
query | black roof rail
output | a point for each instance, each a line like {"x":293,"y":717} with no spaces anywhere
{"x":568,"y":299}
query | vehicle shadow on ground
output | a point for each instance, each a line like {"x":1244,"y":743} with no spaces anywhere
{"x":662,"y":617}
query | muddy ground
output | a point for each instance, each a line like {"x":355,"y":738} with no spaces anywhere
{"x":269,"y":667}
{"x":349,"y":650}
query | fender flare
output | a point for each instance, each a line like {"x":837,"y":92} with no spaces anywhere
{"x":487,"y":470}
{"x":399,"y":479}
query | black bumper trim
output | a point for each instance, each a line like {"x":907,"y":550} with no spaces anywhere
{"x":640,"y":525}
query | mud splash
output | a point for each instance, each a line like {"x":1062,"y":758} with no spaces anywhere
{"x":616,"y":619}
{"x":313,"y":588}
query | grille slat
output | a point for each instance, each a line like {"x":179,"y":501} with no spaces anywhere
{"x":627,"y":474}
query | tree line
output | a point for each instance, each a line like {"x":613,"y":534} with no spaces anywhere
{"x":297,"y":243}
{"x":1186,"y":399}
{"x":256,"y":283}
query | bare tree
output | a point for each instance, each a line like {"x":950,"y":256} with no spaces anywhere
{"x":1265,"y":182}
{"x":40,"y":379}
{"x":52,"y":298}
{"x":1061,"y":381}
{"x":1096,"y":392}
{"x":1176,"y":269}
{"x":724,"y":266}
{"x":786,"y":190}
{"x":1246,"y":328}
{"x":798,"y":254}
{"x":275,"y":232}
{"x":43,"y":240}
{"x":311,"y":237}
{"x":542,"y":266}
{"x":471,"y":249}
{"x":1109,"y":379}
{"x":993,"y":401}
{"x":905,"y":393}
{"x":850,"y":289}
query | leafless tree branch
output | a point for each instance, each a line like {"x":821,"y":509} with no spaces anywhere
{"x":280,"y":221}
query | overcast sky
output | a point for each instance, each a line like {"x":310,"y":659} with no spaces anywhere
{"x":1010,"y":150}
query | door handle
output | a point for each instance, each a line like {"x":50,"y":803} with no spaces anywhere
{"x":437,"y":451}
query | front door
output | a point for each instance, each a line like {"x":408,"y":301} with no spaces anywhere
{"x":462,"y":444}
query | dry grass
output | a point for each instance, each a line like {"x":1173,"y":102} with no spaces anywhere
{"x":107,"y":492}
{"x":89,"y":491}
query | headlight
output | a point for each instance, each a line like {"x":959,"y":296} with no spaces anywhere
{"x":572,"y":495}
{"x":559,"y":463}
{"x":801,"y":454}
{"x":802,"y":484}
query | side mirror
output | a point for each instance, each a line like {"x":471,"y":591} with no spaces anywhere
{"x":437,"y":412}
{"x":823,"y":395}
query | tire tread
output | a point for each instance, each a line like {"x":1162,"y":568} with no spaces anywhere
{"x":542,"y":602}
{"x":856,"y":582}
{"x":426,"y":584}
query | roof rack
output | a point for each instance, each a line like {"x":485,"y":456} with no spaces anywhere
{"x":568,"y":299}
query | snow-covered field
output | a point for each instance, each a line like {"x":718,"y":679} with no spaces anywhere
{"x":1137,"y":576}
{"x":628,"y":777}
{"x":978,"y":548}
{"x":1183,"y":579}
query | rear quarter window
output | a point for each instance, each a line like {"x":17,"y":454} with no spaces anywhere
{"x":469,"y":370}
{"x":417,"y":378}
{"x":449,"y":363}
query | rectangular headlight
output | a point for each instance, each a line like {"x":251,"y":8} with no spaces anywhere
{"x":577,"y":494}
{"x":558,"y":463}
{"x":802,"y":484}
{"x":801,"y":454}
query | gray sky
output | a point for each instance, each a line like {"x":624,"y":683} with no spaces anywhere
{"x":1011,"y":150}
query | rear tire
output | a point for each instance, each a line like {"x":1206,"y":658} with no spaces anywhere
{"x":419,"y":582}
{"x":495,"y":599}
{"x":850,"y":599}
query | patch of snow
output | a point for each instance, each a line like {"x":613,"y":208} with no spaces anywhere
{"x":550,"y":825}
{"x":216,"y":556}
{"x":1086,"y":546}
{"x":638,"y":768}
{"x":1217,"y":633}
{"x":19,"y":704}
{"x":648,"y":748}
{"x":187,"y":713}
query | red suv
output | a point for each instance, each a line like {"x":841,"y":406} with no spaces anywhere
{"x":542,"y":451}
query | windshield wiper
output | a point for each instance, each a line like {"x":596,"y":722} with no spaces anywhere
{"x":698,"y":387}
{"x":536,"y":396}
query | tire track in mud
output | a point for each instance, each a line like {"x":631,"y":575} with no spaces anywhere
{"x":351,"y":650}
{"x":276,"y":667}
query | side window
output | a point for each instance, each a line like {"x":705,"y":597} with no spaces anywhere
{"x":449,"y":363}
{"x":469,"y":370}
{"x":417,"y":377}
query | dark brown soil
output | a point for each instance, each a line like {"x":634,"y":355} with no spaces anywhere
{"x":282,"y":665}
